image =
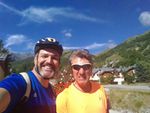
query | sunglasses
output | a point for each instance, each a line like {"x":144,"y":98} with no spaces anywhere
{"x":84,"y":66}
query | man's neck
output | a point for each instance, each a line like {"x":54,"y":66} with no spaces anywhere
{"x":44,"y":82}
{"x":86,"y":89}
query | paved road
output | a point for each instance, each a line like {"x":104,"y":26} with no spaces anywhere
{"x":128,"y":87}
{"x":114,"y":111}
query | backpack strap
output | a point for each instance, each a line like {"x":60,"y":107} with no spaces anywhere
{"x":28,"y":88}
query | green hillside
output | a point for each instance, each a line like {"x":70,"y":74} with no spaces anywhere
{"x":134,"y":51}
{"x":22,"y":65}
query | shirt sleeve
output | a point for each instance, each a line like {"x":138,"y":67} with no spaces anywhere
{"x":16,"y":86}
{"x":105,"y":98}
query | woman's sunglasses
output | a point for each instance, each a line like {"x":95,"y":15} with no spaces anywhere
{"x":84,"y":66}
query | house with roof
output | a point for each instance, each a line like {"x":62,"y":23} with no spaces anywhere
{"x":5,"y":58}
{"x":116,"y":73}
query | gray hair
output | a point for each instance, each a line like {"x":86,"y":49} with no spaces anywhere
{"x":81,"y":54}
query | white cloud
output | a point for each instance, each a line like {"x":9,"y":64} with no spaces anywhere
{"x":67,"y":33}
{"x":95,"y":46}
{"x":70,"y":48}
{"x":144,"y":18}
{"x":41,"y":15}
{"x":52,"y":14}
{"x":38,"y":15}
{"x":111,"y":44}
{"x":19,"y":39}
{"x":30,"y":45}
{"x":15,"y":40}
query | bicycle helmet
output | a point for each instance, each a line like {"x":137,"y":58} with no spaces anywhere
{"x":48,"y":42}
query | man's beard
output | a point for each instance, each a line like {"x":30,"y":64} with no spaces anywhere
{"x":52,"y":74}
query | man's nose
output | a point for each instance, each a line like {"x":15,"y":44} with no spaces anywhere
{"x":49,"y":59}
{"x":81,"y":70}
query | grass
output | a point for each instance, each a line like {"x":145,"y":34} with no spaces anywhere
{"x":135,"y":101}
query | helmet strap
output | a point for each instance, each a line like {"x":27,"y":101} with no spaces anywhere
{"x":37,"y":70}
{"x":36,"y":67}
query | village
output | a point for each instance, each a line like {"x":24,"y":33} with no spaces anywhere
{"x":117,"y":74}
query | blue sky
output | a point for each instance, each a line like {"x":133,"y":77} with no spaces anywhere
{"x":96,"y":25}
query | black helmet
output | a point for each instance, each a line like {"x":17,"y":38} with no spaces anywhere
{"x":48,"y":42}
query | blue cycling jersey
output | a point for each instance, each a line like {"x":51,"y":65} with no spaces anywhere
{"x":41,"y":99}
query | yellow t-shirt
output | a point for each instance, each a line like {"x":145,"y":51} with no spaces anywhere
{"x":71,"y":100}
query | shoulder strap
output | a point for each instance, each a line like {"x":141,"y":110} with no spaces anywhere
{"x":27,"y":79}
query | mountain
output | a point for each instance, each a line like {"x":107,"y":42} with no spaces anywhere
{"x":130,"y":52}
{"x":22,"y":56}
{"x":24,"y":61}
{"x":21,"y":65}
{"x":134,"y":51}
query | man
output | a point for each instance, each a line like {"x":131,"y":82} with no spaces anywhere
{"x":83,"y":95}
{"x":42,"y":98}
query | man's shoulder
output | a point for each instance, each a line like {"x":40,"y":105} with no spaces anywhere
{"x":96,"y":84}
{"x":14,"y":77}
{"x":13,"y":81}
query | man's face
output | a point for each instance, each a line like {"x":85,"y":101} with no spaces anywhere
{"x":81,"y":70}
{"x":47,"y":61}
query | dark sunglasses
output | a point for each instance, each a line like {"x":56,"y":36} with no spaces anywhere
{"x":84,"y":67}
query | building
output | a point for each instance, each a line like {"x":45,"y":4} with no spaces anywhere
{"x":116,"y":73}
{"x":5,"y":58}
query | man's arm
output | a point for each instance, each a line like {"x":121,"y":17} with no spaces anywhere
{"x":4,"y":99}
